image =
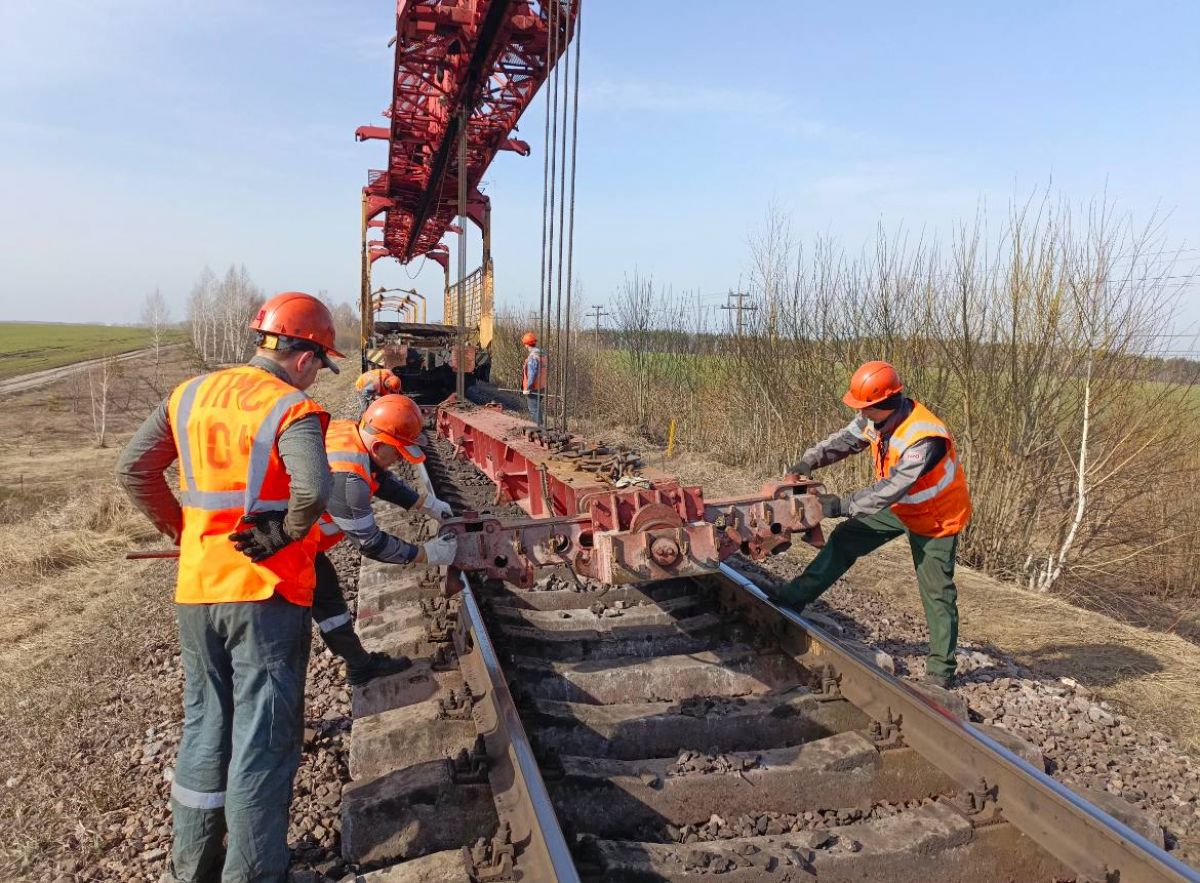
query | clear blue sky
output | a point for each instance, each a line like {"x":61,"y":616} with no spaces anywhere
{"x":141,"y":140}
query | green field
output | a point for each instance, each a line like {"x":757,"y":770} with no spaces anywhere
{"x":35,"y":346}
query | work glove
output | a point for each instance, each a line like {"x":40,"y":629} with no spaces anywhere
{"x":264,"y":537}
{"x":831,"y":506}
{"x":803,"y":469}
{"x":441,"y":551}
{"x":524,"y":392}
{"x":437,"y":508}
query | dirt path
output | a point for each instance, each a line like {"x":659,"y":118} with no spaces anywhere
{"x":35,"y":379}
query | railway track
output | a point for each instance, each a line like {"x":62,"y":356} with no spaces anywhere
{"x":678,"y":730}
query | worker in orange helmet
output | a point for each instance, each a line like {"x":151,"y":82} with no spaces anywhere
{"x":360,"y":455}
{"x":253,"y":483}
{"x":375,"y":383}
{"x":920,"y":492}
{"x":533,"y":376}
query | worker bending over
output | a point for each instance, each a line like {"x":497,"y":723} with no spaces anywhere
{"x":360,"y":455}
{"x":253,"y":481}
{"x":373,"y":384}
{"x":920,"y":492}
{"x":533,"y":376}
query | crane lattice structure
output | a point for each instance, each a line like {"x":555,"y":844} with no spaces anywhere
{"x":482,"y":60}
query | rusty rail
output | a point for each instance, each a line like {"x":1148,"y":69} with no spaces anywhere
{"x":1093,"y":843}
{"x":520,"y":794}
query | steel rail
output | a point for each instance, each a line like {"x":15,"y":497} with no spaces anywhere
{"x":517,"y":785}
{"x":1077,"y":833}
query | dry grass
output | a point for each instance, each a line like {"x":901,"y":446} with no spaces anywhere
{"x":87,"y":639}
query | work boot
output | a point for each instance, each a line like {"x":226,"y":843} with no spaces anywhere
{"x":376,"y":665}
{"x":945,"y":682}
{"x":362,"y":666}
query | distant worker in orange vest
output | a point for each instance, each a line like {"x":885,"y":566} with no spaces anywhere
{"x":253,"y":482}
{"x":360,"y":455}
{"x":533,"y":376}
{"x":920,"y":491}
{"x":373,"y":384}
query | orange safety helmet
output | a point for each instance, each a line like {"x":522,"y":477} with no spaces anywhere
{"x":871,"y":384}
{"x":300,"y":316}
{"x":529,"y":339}
{"x":391,"y":382}
{"x":393,"y":420}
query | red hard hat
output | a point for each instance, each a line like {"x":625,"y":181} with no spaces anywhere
{"x":394,"y":420}
{"x":529,"y":339}
{"x":871,"y":384}
{"x":301,"y":317}
{"x":391,"y":383}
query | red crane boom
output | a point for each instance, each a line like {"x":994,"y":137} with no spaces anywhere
{"x":483,"y":57}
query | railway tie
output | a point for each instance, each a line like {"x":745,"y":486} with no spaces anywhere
{"x":679,"y":729}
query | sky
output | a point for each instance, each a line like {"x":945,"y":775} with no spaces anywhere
{"x":141,"y":141}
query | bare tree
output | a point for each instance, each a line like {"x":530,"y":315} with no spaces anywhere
{"x":99,"y":378}
{"x":155,"y":317}
{"x":219,"y":312}
{"x":201,"y":315}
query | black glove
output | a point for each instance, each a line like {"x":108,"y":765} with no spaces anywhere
{"x":264,"y":537}
{"x":803,"y":469}
{"x":831,"y":506}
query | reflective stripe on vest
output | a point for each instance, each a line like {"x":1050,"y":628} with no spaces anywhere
{"x":938,"y":504}
{"x":226,"y":427}
{"x":260,"y":459}
{"x":949,"y":470}
{"x":347,"y":453}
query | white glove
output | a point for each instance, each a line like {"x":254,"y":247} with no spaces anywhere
{"x":437,"y":508}
{"x":442,"y":550}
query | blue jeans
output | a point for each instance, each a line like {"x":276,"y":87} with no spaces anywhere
{"x":534,"y":400}
{"x":243,"y":719}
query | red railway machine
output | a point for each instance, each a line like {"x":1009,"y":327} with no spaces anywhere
{"x":602,"y":512}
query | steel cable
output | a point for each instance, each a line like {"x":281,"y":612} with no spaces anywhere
{"x":571,"y":225}
{"x":550,"y":51}
{"x":551,"y":149}
{"x":559,"y":368}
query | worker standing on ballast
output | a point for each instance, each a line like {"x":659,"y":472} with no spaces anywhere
{"x":253,"y":482}
{"x":533,"y":376}
{"x":920,"y":492}
{"x":360,"y":455}
{"x":372,"y":384}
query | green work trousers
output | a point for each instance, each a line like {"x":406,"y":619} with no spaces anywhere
{"x":933,"y":558}
{"x":243,"y":718}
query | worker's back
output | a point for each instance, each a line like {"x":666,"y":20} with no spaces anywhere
{"x":225,"y":426}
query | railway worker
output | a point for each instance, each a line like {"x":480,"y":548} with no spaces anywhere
{"x":373,"y":384}
{"x":253,"y":482}
{"x":533,"y":376}
{"x":360,"y":455}
{"x":920,"y":492}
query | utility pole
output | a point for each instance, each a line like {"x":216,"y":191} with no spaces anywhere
{"x":739,"y":307}
{"x":598,"y":312}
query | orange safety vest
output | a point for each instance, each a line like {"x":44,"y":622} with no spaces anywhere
{"x":539,"y":382}
{"x":372,"y":381}
{"x":938,"y":504}
{"x":226,"y":425}
{"x":347,"y":453}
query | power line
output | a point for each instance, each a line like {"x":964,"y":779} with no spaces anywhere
{"x":598,"y":312}
{"x":739,"y":307}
